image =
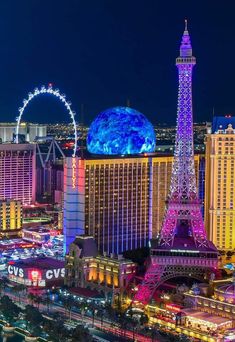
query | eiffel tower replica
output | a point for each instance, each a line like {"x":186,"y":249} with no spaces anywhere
{"x":182,"y":249}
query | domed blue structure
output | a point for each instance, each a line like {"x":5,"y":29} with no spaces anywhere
{"x":121,"y":130}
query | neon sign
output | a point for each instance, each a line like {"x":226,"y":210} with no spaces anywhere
{"x":16,"y":271}
{"x":35,"y":275}
{"x":73,"y":173}
{"x":55,"y":273}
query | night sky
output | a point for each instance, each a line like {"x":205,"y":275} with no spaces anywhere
{"x":101,"y":53}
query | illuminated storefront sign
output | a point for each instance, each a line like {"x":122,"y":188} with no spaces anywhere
{"x":16,"y":271}
{"x":35,"y":275}
{"x":56,"y":273}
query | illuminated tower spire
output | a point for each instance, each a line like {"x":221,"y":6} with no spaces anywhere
{"x":183,"y":180}
{"x":185,"y":47}
{"x":182,"y":249}
{"x":183,"y":217}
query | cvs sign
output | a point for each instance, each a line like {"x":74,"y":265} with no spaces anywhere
{"x":55,"y":273}
{"x":16,"y":271}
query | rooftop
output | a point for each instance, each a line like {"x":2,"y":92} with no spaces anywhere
{"x":87,"y":245}
{"x":41,"y":230}
{"x":85,"y":292}
{"x":206,"y":317}
{"x":222,"y":122}
{"x":116,"y":260}
{"x":42,"y":263}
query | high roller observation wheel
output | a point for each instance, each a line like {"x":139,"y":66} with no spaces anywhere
{"x":61,"y":97}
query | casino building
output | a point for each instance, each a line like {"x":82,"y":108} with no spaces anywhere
{"x":220,"y":181}
{"x":18,"y":170}
{"x":120,"y":200}
{"x":221,"y":303}
{"x":117,"y":191}
{"x":206,"y":312}
{"x":85,"y":268}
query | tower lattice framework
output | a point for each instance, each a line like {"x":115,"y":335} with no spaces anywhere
{"x":182,"y":248}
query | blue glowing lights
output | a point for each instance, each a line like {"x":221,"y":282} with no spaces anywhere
{"x":121,"y":130}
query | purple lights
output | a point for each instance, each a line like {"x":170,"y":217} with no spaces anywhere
{"x":185,"y":47}
{"x":182,"y":249}
{"x":183,"y":197}
{"x":183,"y":180}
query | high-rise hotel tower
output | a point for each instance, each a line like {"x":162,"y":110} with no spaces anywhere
{"x":119,"y":200}
{"x":17,"y":170}
{"x":108,"y":198}
{"x":220,"y":183}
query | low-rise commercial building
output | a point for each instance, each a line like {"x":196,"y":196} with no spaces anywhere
{"x":86,"y":269}
{"x":39,"y":272}
{"x":221,"y":303}
{"x":38,"y":234}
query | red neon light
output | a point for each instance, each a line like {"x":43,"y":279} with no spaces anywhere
{"x":28,"y":245}
{"x":81,"y":178}
{"x":35,"y":275}
{"x":74,"y":173}
{"x":173,"y":307}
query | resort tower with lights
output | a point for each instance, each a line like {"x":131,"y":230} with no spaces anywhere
{"x":182,"y":248}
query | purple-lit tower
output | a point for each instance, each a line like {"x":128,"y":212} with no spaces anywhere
{"x":182,"y":248}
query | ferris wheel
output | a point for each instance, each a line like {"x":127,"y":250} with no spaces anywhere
{"x":55,"y":92}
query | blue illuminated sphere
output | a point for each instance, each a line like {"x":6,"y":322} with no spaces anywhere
{"x":121,"y":130}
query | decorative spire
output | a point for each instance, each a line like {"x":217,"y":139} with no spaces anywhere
{"x":186,"y":25}
{"x":185,"y":47}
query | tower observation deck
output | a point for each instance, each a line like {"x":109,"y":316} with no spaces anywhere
{"x":182,"y":248}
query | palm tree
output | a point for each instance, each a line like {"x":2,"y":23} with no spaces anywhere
{"x":94,"y":312}
{"x":1,"y":289}
{"x":83,"y":307}
{"x":38,"y":300}
{"x":15,"y":290}
{"x":5,"y":283}
{"x":101,"y":315}
{"x":123,"y":321}
{"x":81,"y":334}
{"x":18,"y":289}
{"x":31,"y":297}
{"x":47,"y":301}
{"x":68,"y":304}
{"x":23,"y":288}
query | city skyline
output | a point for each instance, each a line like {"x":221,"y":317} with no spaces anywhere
{"x":102,"y":231}
{"x":122,"y":52}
